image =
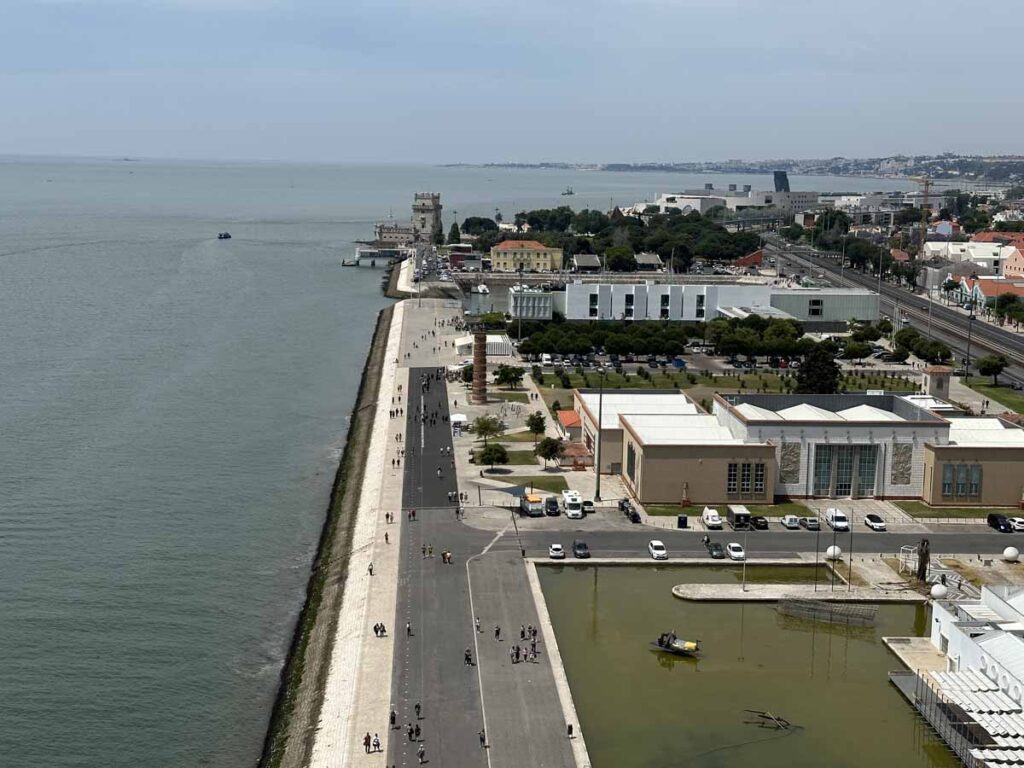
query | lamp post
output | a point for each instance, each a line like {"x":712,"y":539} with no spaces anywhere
{"x":597,"y":459}
{"x":970,"y":328}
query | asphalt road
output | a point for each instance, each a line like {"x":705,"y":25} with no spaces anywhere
{"x":764,"y":543}
{"x":433,"y":597}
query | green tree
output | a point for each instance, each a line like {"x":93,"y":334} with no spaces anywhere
{"x":536,"y":422}
{"x":477,"y":225}
{"x":492,"y":454}
{"x":819,"y":373}
{"x":487,"y":426}
{"x":438,"y":237}
{"x":792,"y":233}
{"x":549,"y":448}
{"x":856,"y":350}
{"x":992,"y":365}
{"x":467,"y":374}
{"x":619,"y":258}
{"x":509,"y":376}
{"x":454,"y":235}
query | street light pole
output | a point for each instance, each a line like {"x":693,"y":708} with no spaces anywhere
{"x":970,"y":328}
{"x":597,"y":460}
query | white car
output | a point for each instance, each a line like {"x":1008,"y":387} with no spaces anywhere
{"x":792,"y":522}
{"x":555,"y":552}
{"x":876,"y":523}
{"x":657,"y":550}
{"x":735,"y":551}
{"x":1017,"y":523}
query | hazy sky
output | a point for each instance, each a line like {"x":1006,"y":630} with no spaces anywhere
{"x":515,"y":80}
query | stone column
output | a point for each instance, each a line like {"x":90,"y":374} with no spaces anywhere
{"x":479,"y":368}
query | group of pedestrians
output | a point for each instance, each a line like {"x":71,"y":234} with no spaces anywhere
{"x":527,"y":651}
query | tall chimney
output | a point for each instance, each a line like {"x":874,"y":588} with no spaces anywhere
{"x":480,"y":368}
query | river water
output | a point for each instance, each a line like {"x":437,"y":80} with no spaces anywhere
{"x":171,"y":411}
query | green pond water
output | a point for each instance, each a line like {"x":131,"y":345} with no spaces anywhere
{"x":638,"y":707}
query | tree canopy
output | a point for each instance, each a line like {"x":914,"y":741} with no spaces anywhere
{"x":992,"y":365}
{"x":494,"y":453}
{"x":487,"y":426}
{"x":819,"y":373}
{"x":549,"y":448}
{"x":536,"y":422}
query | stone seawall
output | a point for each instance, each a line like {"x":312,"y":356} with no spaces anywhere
{"x":296,"y":711}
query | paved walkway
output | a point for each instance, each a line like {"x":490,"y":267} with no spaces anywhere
{"x":775,"y":592}
{"x":978,"y":403}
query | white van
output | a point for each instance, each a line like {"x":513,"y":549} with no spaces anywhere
{"x":711,"y":519}
{"x":532,"y":505}
{"x":572,"y":505}
{"x":545,"y":359}
{"x":836,"y":520}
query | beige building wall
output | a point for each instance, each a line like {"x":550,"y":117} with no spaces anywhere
{"x":535,"y":259}
{"x":1002,"y":475}
{"x":699,"y":473}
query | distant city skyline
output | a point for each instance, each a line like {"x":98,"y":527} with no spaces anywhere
{"x":476,"y":82}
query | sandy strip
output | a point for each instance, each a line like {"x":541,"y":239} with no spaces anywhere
{"x":357,"y":695}
{"x":579,"y":745}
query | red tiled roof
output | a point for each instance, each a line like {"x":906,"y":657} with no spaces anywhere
{"x":569,"y":419}
{"x":509,"y":245}
{"x":1015,"y":239}
{"x":755,"y":259}
{"x":993,"y":286}
{"x":898,"y":255}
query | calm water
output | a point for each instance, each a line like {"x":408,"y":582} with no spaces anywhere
{"x":171,"y":410}
{"x":640,"y":708}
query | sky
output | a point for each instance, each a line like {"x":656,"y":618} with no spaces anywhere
{"x":440,"y":81}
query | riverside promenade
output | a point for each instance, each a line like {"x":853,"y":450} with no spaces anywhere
{"x":524,"y":709}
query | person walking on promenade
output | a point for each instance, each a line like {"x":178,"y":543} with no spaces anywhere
{"x":408,"y":629}
{"x":468,"y":658}
{"x":366,"y":742}
{"x":430,"y":550}
{"x":376,"y":743}
{"x":421,"y":754}
{"x":497,"y":632}
{"x":512,"y":654}
{"x":386,"y":538}
{"x":477,"y":623}
{"x":419,"y":710}
{"x":483,"y":739}
{"x":416,"y":730}
{"x":409,"y":730}
{"x":369,"y":569}
{"x":423,"y":550}
{"x":392,"y":718}
{"x":522,"y":631}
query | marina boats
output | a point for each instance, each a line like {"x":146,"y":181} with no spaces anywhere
{"x":568,"y":191}
{"x":223,"y":235}
{"x":669,"y":642}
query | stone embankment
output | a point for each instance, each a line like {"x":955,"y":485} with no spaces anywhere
{"x":296,"y":712}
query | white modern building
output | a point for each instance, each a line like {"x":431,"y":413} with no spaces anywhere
{"x":650,"y":300}
{"x":735,"y":199}
{"x":988,"y":256}
{"x":527,"y":303}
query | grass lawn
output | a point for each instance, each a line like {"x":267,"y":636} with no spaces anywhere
{"x":920,"y":509}
{"x":1010,"y":398}
{"x":519,"y":437}
{"x":768,"y":510}
{"x":515,"y":458}
{"x":512,"y":397}
{"x":551,"y":483}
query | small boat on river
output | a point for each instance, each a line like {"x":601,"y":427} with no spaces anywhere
{"x":223,"y":235}
{"x":669,"y":642}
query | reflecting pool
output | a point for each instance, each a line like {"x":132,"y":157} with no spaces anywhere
{"x":639,"y":707}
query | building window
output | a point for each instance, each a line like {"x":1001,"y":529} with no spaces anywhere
{"x":815,"y":308}
{"x":629,"y":299}
{"x":759,"y":479}
{"x":593,"y":299}
{"x":629,"y":312}
{"x":974,"y":486}
{"x":961,"y":480}
{"x":700,"y":305}
{"x":947,"y":479}
{"x":593,"y":311}
{"x":745,"y":478}
{"x":664,"y":313}
{"x":822,"y":470}
{"x":664,"y":299}
{"x":631,"y":463}
{"x":731,"y":485}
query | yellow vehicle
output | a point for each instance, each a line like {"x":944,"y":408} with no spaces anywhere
{"x":531,"y":505}
{"x":670,"y":643}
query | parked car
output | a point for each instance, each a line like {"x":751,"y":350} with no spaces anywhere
{"x":556,"y":552}
{"x":657,"y":550}
{"x":580,"y":549}
{"x":551,"y":506}
{"x":759,"y":523}
{"x":792,"y":522}
{"x":588,"y":507}
{"x":633,"y":515}
{"x":715,"y":550}
{"x":735,"y":551}
{"x":1000,"y":523}
{"x":810,"y":523}
{"x":1017,"y":523}
{"x":836,"y":519}
{"x":874,"y":522}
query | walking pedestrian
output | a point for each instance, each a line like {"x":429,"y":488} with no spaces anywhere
{"x":497,"y":632}
{"x":419,"y":710}
{"x":376,"y":743}
{"x":423,"y":549}
{"x":522,"y":631}
{"x":468,"y":658}
{"x":369,"y":569}
{"x":421,"y":754}
{"x":409,"y":731}
{"x":416,"y":730}
{"x":569,"y":730}
{"x":386,"y":538}
{"x":483,"y":739}
{"x":392,"y":718}
{"x":430,"y":550}
{"x":408,"y":629}
{"x":477,"y":620}
{"x":366,"y":742}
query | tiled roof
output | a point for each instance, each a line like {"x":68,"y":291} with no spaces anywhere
{"x":569,"y":419}
{"x":1010,"y":238}
{"x":518,"y":245}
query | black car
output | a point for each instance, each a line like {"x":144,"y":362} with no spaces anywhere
{"x":633,"y":515}
{"x":715,"y":549}
{"x":580,"y":549}
{"x":551,"y":506}
{"x":759,"y":523}
{"x":1000,"y":523}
